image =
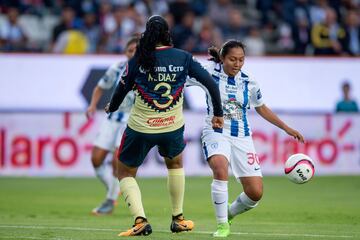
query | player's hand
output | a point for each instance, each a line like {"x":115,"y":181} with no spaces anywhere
{"x":217,"y":122}
{"x":107,"y":108}
{"x":295,"y":134}
{"x":90,"y":111}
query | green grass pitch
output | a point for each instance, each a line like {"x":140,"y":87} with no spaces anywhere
{"x":58,"y":209}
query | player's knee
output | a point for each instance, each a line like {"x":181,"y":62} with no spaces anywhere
{"x":219,"y":167}
{"x":220,"y":173}
{"x":97,"y":156}
{"x":96,"y":161}
{"x":124,"y":171}
{"x":175,"y":162}
{"x":254,"y":193}
{"x":121,"y":175}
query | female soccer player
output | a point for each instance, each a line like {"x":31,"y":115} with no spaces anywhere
{"x":111,"y":130}
{"x":233,"y":144}
{"x":157,"y":75}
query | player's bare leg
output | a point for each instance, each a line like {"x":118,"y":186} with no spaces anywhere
{"x":132,"y":195}
{"x":115,"y":167}
{"x":219,"y":193}
{"x":105,"y":174}
{"x":176,"y":188}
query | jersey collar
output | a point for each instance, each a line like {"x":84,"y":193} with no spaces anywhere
{"x":162,"y":48}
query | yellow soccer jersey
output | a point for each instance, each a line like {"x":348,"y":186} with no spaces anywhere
{"x":159,"y":98}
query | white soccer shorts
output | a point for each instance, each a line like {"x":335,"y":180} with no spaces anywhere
{"x":109,"y":135}
{"x":239,"y":151}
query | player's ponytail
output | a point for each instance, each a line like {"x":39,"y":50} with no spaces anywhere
{"x":217,"y":54}
{"x":156,"y":33}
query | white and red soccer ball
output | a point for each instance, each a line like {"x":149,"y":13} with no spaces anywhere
{"x":299,"y":168}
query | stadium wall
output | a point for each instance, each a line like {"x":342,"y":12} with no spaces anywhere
{"x":64,"y":83}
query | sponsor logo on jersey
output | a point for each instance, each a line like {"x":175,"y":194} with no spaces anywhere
{"x":161,"y":122}
{"x":231,"y":89}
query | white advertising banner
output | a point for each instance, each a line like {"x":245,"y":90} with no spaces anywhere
{"x":64,"y":83}
{"x":59,"y":144}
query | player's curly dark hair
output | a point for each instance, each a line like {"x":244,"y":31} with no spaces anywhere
{"x":216,"y":54}
{"x":156,"y":33}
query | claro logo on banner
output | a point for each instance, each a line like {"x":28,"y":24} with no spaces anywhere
{"x":45,"y":144}
{"x":326,"y":150}
{"x":59,"y":144}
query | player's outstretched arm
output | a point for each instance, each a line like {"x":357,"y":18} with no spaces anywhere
{"x":117,"y":98}
{"x":197,"y":72}
{"x":271,"y":117}
{"x":95,"y":97}
{"x":123,"y":87}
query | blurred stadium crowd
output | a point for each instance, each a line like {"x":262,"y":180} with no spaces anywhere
{"x":267,"y":27}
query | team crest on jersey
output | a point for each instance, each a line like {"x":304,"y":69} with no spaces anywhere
{"x":214,"y":145}
{"x":232,"y":109}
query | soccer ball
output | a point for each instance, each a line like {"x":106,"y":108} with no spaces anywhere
{"x":299,"y":168}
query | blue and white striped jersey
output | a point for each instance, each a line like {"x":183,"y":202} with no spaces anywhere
{"x":111,"y":78}
{"x":238,"y":94}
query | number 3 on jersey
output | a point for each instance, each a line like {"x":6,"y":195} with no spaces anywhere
{"x":165,"y":94}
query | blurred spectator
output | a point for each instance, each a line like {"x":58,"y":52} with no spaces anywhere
{"x":301,"y":34}
{"x":208,"y":36}
{"x":270,"y":36}
{"x":303,"y":27}
{"x":106,"y":17}
{"x":170,"y":20}
{"x":255,"y":45}
{"x":318,"y":11}
{"x":285,"y":42}
{"x":265,"y":6}
{"x":328,"y":38}
{"x":287,"y":11}
{"x":199,"y":7}
{"x":302,"y":12}
{"x":219,"y":11}
{"x":346,"y":104}
{"x":127,"y":23}
{"x":113,"y":41}
{"x":71,"y":42}
{"x":177,"y":8}
{"x":353,"y":33}
{"x":183,"y":35}
{"x":12,"y":37}
{"x":91,"y":31}
{"x":67,"y":23}
{"x":147,"y":8}
{"x":133,"y":22}
{"x":236,"y":28}
{"x":88,"y":6}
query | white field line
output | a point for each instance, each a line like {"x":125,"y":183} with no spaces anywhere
{"x":24,"y":237}
{"x":164,"y":231}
